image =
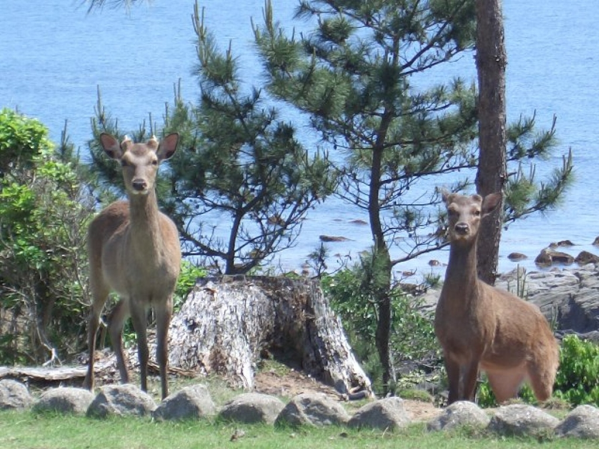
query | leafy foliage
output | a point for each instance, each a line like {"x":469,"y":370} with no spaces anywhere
{"x":412,"y":334}
{"x":44,"y":213}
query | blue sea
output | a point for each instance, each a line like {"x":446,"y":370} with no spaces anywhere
{"x":54,"y":56}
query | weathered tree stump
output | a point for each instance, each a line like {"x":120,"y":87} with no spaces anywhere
{"x":226,"y":324}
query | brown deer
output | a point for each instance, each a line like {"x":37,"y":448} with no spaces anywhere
{"x":134,"y":250}
{"x":482,"y":327}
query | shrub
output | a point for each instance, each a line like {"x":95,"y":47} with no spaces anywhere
{"x":412,"y":334}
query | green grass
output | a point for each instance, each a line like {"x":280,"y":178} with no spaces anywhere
{"x":27,"y":430}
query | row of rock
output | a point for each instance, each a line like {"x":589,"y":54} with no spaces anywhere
{"x":311,"y":409}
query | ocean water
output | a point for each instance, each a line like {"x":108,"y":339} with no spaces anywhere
{"x":54,"y":56}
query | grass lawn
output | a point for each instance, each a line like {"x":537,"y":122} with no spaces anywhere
{"x":27,"y":430}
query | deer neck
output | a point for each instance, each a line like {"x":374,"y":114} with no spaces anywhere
{"x":144,"y":228}
{"x":461,"y":276}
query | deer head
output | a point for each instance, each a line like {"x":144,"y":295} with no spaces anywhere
{"x":139,"y":161}
{"x":465,"y":212}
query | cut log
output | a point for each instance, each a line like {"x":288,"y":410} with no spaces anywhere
{"x":227,"y":324}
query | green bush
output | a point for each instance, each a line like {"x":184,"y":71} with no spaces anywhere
{"x":412,"y":334}
{"x":577,"y":378}
{"x":44,"y":212}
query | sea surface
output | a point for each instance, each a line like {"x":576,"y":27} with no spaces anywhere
{"x":54,"y":57}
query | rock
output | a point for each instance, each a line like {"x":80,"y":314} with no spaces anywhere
{"x":121,"y":400}
{"x":313,"y":409}
{"x":521,"y":420}
{"x":548,"y":257}
{"x":252,"y":408}
{"x":192,"y":402}
{"x":434,"y":263}
{"x":64,"y":400}
{"x":459,"y":414}
{"x":582,"y":422}
{"x":561,"y":243}
{"x":332,"y":238}
{"x":586,"y":257}
{"x":384,"y":414}
{"x":515,"y":257}
{"x":359,"y":222}
{"x":14,"y":395}
{"x":596,"y":241}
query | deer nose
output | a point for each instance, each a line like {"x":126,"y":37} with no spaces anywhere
{"x":462,"y":228}
{"x":139,"y":184}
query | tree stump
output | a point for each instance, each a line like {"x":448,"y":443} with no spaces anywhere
{"x":227,"y":324}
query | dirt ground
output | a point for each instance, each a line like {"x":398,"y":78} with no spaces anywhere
{"x":293,"y":383}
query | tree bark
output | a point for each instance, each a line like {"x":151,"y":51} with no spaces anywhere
{"x":491,"y":61}
{"x":227,"y":325}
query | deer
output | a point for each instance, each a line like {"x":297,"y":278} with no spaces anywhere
{"x":134,"y":250}
{"x":481,"y":327}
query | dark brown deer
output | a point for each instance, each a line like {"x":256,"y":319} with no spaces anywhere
{"x":134,"y":251}
{"x":482,"y":327}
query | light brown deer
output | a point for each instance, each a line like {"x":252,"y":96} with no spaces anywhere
{"x":482,"y":327}
{"x":134,"y":250}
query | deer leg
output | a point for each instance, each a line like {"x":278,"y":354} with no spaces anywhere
{"x":470,"y":378}
{"x":163,"y":319}
{"x":138,"y":315}
{"x":115,"y":328}
{"x":505,"y":384}
{"x":92,"y":330}
{"x":453,"y":376}
{"x":542,"y":377}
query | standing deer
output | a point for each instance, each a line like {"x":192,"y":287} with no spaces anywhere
{"x":482,"y":327}
{"x":134,"y":250}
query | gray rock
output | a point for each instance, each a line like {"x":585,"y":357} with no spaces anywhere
{"x":14,"y":395}
{"x":192,"y":402}
{"x":313,"y":409}
{"x":121,"y":400}
{"x":384,"y":414}
{"x":459,"y":414}
{"x":253,"y":408}
{"x":64,"y":400}
{"x":582,"y":422}
{"x":521,"y":420}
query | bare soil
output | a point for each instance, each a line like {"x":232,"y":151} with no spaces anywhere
{"x":292,"y":383}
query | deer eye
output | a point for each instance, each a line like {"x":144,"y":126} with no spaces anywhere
{"x":477,"y":213}
{"x":155,"y":162}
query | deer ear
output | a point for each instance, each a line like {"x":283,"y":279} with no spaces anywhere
{"x":111,"y":146}
{"x":490,"y":203}
{"x":445,"y":194}
{"x":168,"y":146}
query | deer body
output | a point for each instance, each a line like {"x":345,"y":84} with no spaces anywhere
{"x":484,"y":328}
{"x":134,"y":251}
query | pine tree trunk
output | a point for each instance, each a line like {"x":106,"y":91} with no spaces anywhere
{"x":491,"y":60}
{"x":227,"y":324}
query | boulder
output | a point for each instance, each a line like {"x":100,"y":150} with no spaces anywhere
{"x":515,"y":257}
{"x":548,"y":257}
{"x":384,"y":414}
{"x":459,"y":414}
{"x":313,"y":409}
{"x":252,"y":408}
{"x":585,"y":257}
{"x":14,"y":395}
{"x":192,"y":402}
{"x":582,"y":422}
{"x":64,"y":400}
{"x":121,"y":400}
{"x":522,"y":420}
